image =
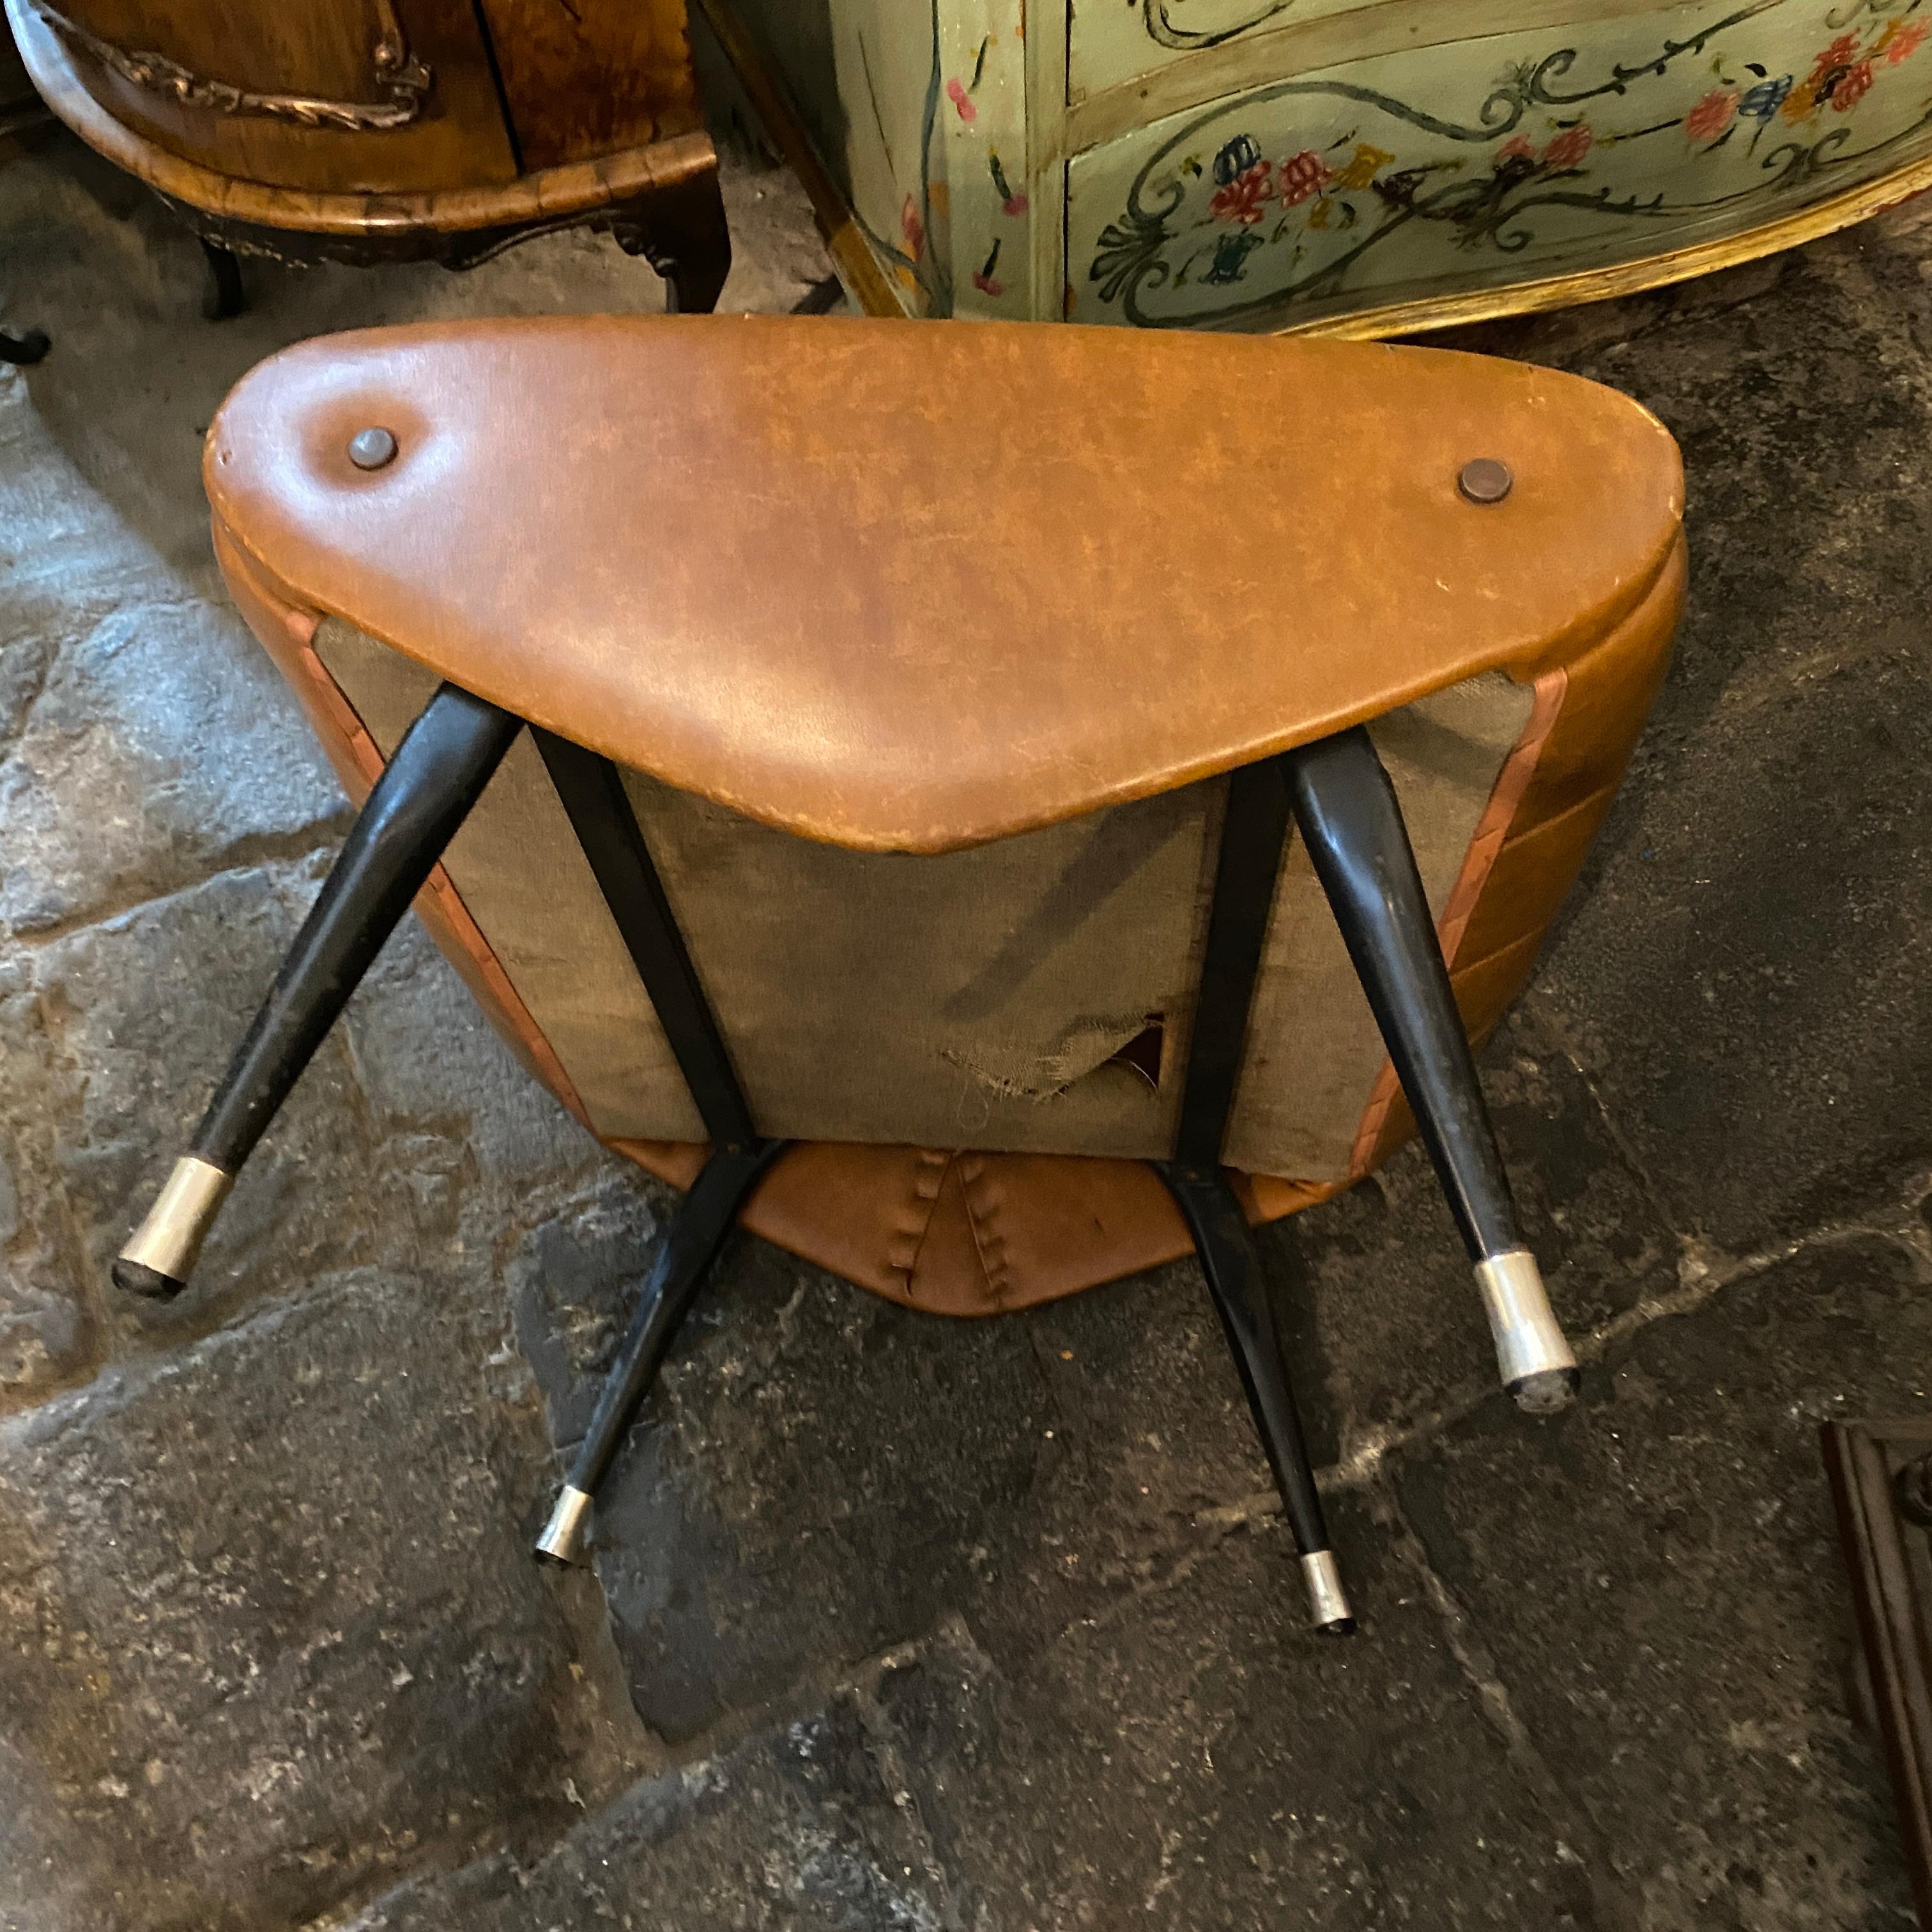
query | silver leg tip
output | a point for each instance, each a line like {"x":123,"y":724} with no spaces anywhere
{"x":1327,"y":1601}
{"x":1544,"y":1392}
{"x":561,"y":1541}
{"x":160,"y":1252}
{"x":1532,"y":1356}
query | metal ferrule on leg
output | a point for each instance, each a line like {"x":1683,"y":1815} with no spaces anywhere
{"x":1532,"y":1356}
{"x":1327,"y":1601}
{"x":1347,"y":812}
{"x":158,"y":1257}
{"x":425,"y":792}
{"x":562,"y":1542}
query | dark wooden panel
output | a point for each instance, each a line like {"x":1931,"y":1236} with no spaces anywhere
{"x":324,"y":49}
{"x":587,"y":77}
{"x":1881,"y":1485}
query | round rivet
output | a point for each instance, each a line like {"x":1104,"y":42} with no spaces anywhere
{"x":1486,"y":480}
{"x":371,"y":449}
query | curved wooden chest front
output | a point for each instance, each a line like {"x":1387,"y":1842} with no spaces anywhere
{"x":394,"y":97}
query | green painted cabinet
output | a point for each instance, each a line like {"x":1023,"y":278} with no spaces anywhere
{"x":1360,"y":166}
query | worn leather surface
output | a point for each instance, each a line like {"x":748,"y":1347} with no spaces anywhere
{"x":914,"y":589}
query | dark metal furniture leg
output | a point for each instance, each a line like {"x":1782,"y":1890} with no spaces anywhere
{"x":1229,"y":1259}
{"x":425,"y":792}
{"x":704,"y":1218}
{"x":592,"y":791}
{"x":225,"y":297}
{"x":1347,"y":812}
{"x":1252,"y":843}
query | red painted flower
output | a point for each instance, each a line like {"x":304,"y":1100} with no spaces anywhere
{"x":1841,"y":52}
{"x":1303,"y":175}
{"x":1853,"y":84}
{"x":961,"y":102}
{"x":1516,"y":148}
{"x":913,"y":229}
{"x":1241,"y":199}
{"x":1568,"y":148}
{"x":1712,"y":115}
{"x":1903,"y":41}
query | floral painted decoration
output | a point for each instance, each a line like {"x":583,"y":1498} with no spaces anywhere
{"x":1010,"y":203}
{"x":1541,"y":142}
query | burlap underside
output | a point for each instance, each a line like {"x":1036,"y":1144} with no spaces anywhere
{"x":974,"y":999}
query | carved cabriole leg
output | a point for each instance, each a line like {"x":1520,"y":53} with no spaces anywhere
{"x":225,"y":296}
{"x":23,"y":349}
{"x":1251,"y":842}
{"x":591,"y":789}
{"x":425,"y":793}
{"x":680,"y":229}
{"x":1347,"y":812}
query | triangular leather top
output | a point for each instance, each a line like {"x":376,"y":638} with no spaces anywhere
{"x":910,"y":586}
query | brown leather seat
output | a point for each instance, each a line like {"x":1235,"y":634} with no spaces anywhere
{"x":909,"y":589}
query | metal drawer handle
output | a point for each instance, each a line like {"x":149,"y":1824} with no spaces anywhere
{"x":403,"y":78}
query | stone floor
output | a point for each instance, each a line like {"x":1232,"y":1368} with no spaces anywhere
{"x":912,"y":1623}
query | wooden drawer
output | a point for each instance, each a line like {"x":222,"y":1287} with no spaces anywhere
{"x":159,"y":67}
{"x":1110,"y":42}
{"x":1501,"y":159}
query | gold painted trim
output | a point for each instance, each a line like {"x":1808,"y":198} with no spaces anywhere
{"x":403,"y":78}
{"x":1626,"y":278}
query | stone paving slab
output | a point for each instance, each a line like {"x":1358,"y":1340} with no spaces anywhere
{"x":1740,"y":974}
{"x":1656,"y":1580}
{"x":1191,"y":1756}
{"x":844,"y":1817}
{"x":268,"y":1628}
{"x":157,"y":750}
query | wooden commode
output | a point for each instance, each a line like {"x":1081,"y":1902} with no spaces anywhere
{"x":364,"y":131}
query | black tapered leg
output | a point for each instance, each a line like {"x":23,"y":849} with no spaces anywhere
{"x":1348,"y":813}
{"x":22,"y":350}
{"x":704,"y":1218}
{"x":1229,"y":1260}
{"x":226,"y":297}
{"x":591,"y":791}
{"x":425,"y":792}
{"x":1253,"y":839}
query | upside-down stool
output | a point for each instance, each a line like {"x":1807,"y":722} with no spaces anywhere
{"x":853,"y":764}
